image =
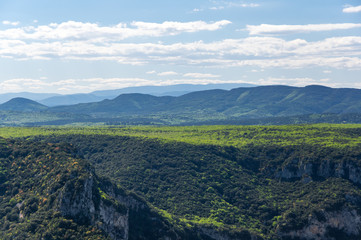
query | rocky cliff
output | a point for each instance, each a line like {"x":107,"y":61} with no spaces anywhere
{"x":82,"y":200}
{"x":326,"y":168}
{"x":90,"y":200}
{"x":341,"y":222}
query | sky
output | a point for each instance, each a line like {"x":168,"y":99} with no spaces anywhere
{"x":80,"y":46}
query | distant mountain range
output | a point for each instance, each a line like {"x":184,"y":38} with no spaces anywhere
{"x":207,"y":106}
{"x":266,"y":101}
{"x":53,"y":99}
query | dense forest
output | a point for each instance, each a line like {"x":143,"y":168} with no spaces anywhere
{"x":206,"y":182}
{"x":47,"y":192}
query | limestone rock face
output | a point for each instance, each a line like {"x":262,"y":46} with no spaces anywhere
{"x":88,"y":200}
{"x":344,"y":224}
{"x":325,"y":169}
{"x":81,"y":201}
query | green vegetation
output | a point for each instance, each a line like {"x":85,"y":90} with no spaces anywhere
{"x":265,"y":105}
{"x":223,"y":187}
{"x":31,"y":177}
{"x":241,"y":180}
{"x":326,"y":135}
{"x":256,"y":102}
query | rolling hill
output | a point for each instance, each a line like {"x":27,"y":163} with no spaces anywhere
{"x":22,"y":105}
{"x":4,"y":97}
{"x":254,"y":105}
{"x":55,"y":99}
{"x":256,"y":102}
{"x":171,"y":90}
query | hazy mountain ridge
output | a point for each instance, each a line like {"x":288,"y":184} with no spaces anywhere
{"x":256,"y":102}
{"x":55,"y":99}
{"x":70,"y":99}
{"x":4,"y":97}
{"x":261,"y":105}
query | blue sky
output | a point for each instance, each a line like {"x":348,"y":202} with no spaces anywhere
{"x":68,"y":46}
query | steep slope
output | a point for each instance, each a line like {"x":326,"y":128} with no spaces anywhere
{"x":256,"y":102}
{"x":47,"y":193}
{"x":302,"y":191}
{"x":22,"y":105}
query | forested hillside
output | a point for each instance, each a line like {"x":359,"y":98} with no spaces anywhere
{"x":255,"y":102}
{"x":228,"y":182}
{"x":46,"y":192}
{"x":265,"y":105}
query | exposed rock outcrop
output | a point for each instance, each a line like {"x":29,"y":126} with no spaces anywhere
{"x":335,"y":224}
{"x":344,"y":224}
{"x":92,"y":201}
{"x":82,"y":201}
{"x":298,"y":169}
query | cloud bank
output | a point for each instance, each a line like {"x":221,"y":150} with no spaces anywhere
{"x":72,"y":30}
{"x":87,"y":85}
{"x":337,"y":52}
{"x":268,"y":29}
{"x":91,"y":42}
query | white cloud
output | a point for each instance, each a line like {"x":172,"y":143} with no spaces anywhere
{"x":201,"y":75}
{"x":151,"y":72}
{"x":262,"y":52}
{"x":170,"y":73}
{"x":298,"y":63}
{"x":257,"y":70}
{"x":69,"y":86}
{"x":172,"y":28}
{"x":268,"y":29}
{"x":10,"y":23}
{"x":72,"y":30}
{"x":219,"y":5}
{"x":351,"y":9}
{"x":21,"y":84}
{"x":245,"y":5}
{"x":86,"y":85}
{"x":217,"y":8}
